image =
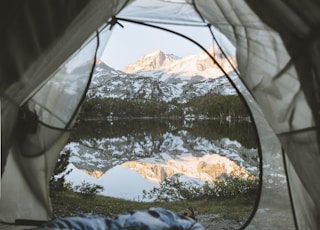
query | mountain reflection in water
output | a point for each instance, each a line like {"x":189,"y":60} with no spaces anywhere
{"x":127,"y":156}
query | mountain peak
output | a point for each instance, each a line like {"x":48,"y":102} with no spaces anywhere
{"x":151,"y":61}
{"x":156,"y":57}
{"x":198,"y":64}
{"x":155,"y":52}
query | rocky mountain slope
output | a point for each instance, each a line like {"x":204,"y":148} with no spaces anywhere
{"x":161,"y":77}
{"x":167,"y":155}
{"x":194,"y":65}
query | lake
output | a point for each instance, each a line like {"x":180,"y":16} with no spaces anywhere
{"x":126,"y":156}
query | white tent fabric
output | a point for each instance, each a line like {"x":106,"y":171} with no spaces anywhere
{"x":25,"y":193}
{"x":277,"y":46}
{"x":263,"y":60}
{"x":33,"y":155}
{"x":28,"y":158}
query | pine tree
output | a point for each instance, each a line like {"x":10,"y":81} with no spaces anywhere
{"x":57,"y":180}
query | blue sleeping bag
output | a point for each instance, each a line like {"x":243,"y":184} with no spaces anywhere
{"x":153,"y":218}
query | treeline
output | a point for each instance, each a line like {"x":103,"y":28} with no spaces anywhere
{"x":215,"y":105}
{"x":128,"y":108}
{"x":155,"y":129}
{"x":209,"y":105}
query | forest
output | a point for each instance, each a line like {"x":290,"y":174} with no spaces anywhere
{"x":210,"y":105}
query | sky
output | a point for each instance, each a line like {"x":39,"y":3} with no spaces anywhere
{"x":126,"y":45}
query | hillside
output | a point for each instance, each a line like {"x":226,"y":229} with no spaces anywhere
{"x":194,"y":65}
{"x":161,"y":77}
{"x":129,"y":140}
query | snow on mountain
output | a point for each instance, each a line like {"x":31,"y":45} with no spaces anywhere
{"x":100,"y":155}
{"x":208,"y":168}
{"x":151,"y":61}
{"x":163,"y":77}
{"x":124,"y":167}
{"x":199,"y":64}
{"x":160,"y":77}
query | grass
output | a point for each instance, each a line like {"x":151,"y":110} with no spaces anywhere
{"x":69,"y":203}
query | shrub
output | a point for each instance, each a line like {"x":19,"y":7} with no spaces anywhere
{"x":234,"y":185}
{"x":172,"y":189}
{"x":57,"y":180}
{"x":88,"y":190}
{"x":59,"y":184}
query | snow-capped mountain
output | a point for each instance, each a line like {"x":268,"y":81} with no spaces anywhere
{"x":151,"y":158}
{"x":208,"y":167}
{"x":161,"y":77}
{"x":151,"y":61}
{"x":116,"y":163}
{"x":98,"y":155}
{"x":195,"y":65}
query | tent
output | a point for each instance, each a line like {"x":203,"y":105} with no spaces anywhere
{"x":278,"y":50}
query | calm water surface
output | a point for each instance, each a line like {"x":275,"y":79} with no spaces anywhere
{"x":135,"y":154}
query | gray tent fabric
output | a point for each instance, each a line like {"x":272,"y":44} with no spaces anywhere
{"x":18,"y":19}
{"x":274,"y":201}
{"x":58,"y":49}
{"x":271,"y":75}
{"x":277,"y":45}
{"x":29,"y":157}
{"x":25,"y":193}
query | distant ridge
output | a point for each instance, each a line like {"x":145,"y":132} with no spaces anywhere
{"x":194,"y":65}
{"x":151,"y":61}
{"x":157,"y":85}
